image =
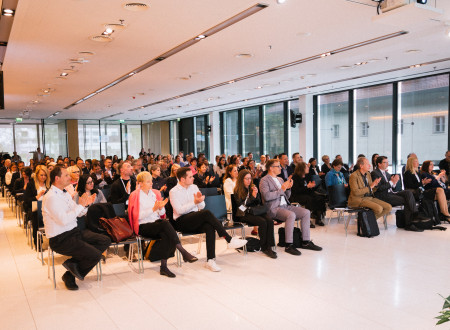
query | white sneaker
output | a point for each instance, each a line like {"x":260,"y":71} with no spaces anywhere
{"x":236,"y":243}
{"x":212,"y":266}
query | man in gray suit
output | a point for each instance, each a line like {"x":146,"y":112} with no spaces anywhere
{"x":275,"y":193}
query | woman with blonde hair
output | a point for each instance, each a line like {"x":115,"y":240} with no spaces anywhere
{"x":74,"y":172}
{"x":36,"y":188}
{"x":415,"y":182}
{"x":172,"y":181}
{"x":145,"y":210}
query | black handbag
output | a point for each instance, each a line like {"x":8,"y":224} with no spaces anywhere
{"x":258,"y":210}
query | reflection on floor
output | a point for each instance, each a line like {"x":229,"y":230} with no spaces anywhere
{"x":388,"y":282}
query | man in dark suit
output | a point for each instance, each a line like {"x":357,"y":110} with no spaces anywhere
{"x":286,"y":170}
{"x":18,"y":174}
{"x":445,"y":164}
{"x":385,"y":192}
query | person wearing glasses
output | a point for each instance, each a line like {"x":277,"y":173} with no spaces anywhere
{"x":74,"y":172}
{"x":86,"y":186}
{"x":275,"y":193}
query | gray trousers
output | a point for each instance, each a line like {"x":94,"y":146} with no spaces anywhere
{"x":288,"y":214}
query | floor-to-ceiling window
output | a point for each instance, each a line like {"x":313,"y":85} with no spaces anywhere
{"x":55,"y":136}
{"x":230,"y":126}
{"x":110,"y":138}
{"x":131,"y":138}
{"x":332,"y":128}
{"x":423,"y":117}
{"x":373,"y":121}
{"x":274,"y":131}
{"x":251,"y":131}
{"x":89,"y":139}
{"x":27,"y":137}
{"x":201,"y":135}
{"x":6,"y":138}
{"x":294,"y":132}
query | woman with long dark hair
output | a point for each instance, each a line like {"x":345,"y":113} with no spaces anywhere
{"x":246,"y":196}
{"x":86,"y":186}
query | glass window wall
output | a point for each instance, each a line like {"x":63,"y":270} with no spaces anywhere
{"x":89,"y":139}
{"x":110,"y":138}
{"x":251,"y":131}
{"x":55,"y":137}
{"x":131,"y":139}
{"x":274,"y":128}
{"x":423,"y":110}
{"x":200,"y":135}
{"x":373,"y":118}
{"x":333,"y":125}
{"x":231,"y":132}
{"x":27,"y":140}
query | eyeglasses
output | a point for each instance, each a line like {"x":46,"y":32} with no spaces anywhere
{"x":276,"y":166}
{"x":90,"y":182}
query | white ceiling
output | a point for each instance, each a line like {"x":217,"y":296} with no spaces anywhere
{"x":46,"y":34}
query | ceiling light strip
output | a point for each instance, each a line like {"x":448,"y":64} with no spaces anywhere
{"x":217,"y":28}
{"x":283,"y":66}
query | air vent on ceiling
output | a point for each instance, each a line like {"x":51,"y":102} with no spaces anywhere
{"x":101,"y":38}
{"x":135,"y":6}
{"x":86,"y":53}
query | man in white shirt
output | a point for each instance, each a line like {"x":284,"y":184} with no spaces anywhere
{"x":60,"y":213}
{"x":188,"y":204}
{"x":275,"y":193}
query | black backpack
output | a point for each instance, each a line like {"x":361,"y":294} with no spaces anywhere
{"x":253,"y":244}
{"x":97,"y":211}
{"x":297,"y":237}
{"x":400,"y":218}
{"x":367,"y":224}
{"x":428,"y":208}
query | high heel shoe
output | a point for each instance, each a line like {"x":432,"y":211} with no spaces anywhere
{"x":191,"y":259}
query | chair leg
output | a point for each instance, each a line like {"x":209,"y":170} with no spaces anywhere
{"x":385,"y":221}
{"x":200,"y":240}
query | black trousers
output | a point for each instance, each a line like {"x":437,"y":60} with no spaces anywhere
{"x":203,"y":222}
{"x":35,"y":224}
{"x":265,"y":228}
{"x":85,"y":247}
{"x":314,"y":203}
{"x":161,"y":229}
{"x":405,"y":198}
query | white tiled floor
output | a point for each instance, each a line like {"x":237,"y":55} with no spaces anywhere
{"x":388,"y":282}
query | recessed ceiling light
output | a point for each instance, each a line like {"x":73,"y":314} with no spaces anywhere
{"x":325,"y":54}
{"x":200,"y":37}
{"x":258,"y":87}
{"x":244,"y":55}
{"x":345,"y":67}
{"x":135,"y":6}
{"x":412,"y":51}
{"x":101,"y":38}
{"x":281,"y":1}
{"x":86,"y":53}
{"x":231,"y":81}
{"x":114,"y":27}
{"x":415,"y":66}
{"x":64,"y":74}
{"x":184,"y":78}
{"x":8,"y":12}
{"x":360,"y":63}
{"x":108,"y":31}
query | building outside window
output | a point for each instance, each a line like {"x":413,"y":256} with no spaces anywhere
{"x":335,"y":131}
{"x":274,"y":128}
{"x":439,"y":124}
{"x":231,"y":132}
{"x":250,"y":131}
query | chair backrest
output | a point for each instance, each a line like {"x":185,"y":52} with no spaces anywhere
{"x":106,"y":192}
{"x":39,"y":212}
{"x":399,"y":185}
{"x":217,"y":206}
{"x":209,"y":191}
{"x":337,"y":196}
{"x":81,"y":222}
{"x":119,"y":209}
{"x":233,"y":207}
{"x":316,"y":179}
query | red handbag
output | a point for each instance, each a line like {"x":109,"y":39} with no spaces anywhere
{"x":117,"y":228}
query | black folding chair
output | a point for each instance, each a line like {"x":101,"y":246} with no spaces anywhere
{"x":209,"y":191}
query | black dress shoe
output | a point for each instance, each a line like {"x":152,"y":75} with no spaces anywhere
{"x":69,"y":281}
{"x":72,"y":267}
{"x":292,"y":250}
{"x":311,"y":246}
{"x":414,"y":228}
{"x":104,"y":259}
{"x":311,"y":225}
{"x":270,"y":253}
{"x":319,"y":223}
{"x":166,"y":272}
{"x":190,"y":259}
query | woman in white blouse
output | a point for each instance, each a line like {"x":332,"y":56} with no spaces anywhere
{"x":145,"y":210}
{"x":74,"y":172}
{"x":229,"y":182}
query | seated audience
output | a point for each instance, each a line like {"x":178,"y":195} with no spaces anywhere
{"x":374,"y":161}
{"x":9,"y":175}
{"x":193,"y":165}
{"x":74,"y":172}
{"x":122,"y":188}
{"x":437,"y":181}
{"x":98,"y":175}
{"x":35,"y":191}
{"x":21,"y":184}
{"x":202,"y":179}
{"x":220,"y":168}
{"x":275,"y":193}
{"x":137,"y":167}
{"x":385,"y":192}
{"x":335,"y":175}
{"x":362,"y":189}
{"x":82,"y":166}
{"x":165,"y":169}
{"x":172,"y":181}
{"x":86,"y":186}
{"x":108,"y":172}
{"x":158,"y":182}
{"x":445,"y":164}
{"x":313,"y":167}
{"x":145,"y":210}
{"x":326,"y":166}
{"x":296,"y":159}
{"x":303,"y":192}
{"x":286,"y":170}
{"x":189,"y":216}
{"x":262,"y":163}
{"x":246,"y":197}
{"x":229,"y":183}
{"x":17,"y":174}
{"x":60,"y":219}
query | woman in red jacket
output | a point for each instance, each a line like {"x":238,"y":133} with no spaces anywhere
{"x":145,"y":209}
